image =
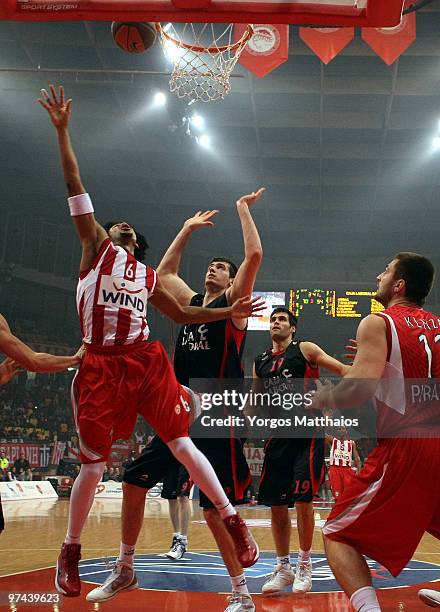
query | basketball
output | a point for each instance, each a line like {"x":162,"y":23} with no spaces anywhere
{"x":134,"y":37}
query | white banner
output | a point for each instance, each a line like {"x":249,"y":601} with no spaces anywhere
{"x":18,"y":489}
{"x":113,"y":490}
{"x":254,"y":457}
{"x":272,"y":299}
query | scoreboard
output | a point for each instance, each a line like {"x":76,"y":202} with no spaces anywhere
{"x":335,"y":303}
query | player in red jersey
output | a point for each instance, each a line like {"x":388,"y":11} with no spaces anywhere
{"x":121,"y":374}
{"x":343,"y":454}
{"x":20,"y":355}
{"x":372,"y":517}
{"x":202,"y":351}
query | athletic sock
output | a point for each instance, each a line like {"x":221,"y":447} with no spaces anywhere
{"x":69,"y":539}
{"x":126,"y":553}
{"x":284,"y":562}
{"x":227,"y":510}
{"x":365,"y":600}
{"x":303,"y":556}
{"x":239,"y":584}
{"x":177,"y":534}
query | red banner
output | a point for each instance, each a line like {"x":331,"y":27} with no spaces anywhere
{"x":267,"y":49}
{"x":120,"y":453}
{"x":326,"y":42}
{"x":390,"y":43}
{"x":43,"y":455}
{"x":36,"y":454}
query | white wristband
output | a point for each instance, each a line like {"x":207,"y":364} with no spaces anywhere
{"x":80,"y":205}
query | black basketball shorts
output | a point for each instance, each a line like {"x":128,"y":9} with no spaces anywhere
{"x":227,"y":458}
{"x":176,"y":483}
{"x":225,"y":455}
{"x":293,"y":470}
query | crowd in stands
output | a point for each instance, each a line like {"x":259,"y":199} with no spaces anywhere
{"x":18,"y":470}
{"x":57,"y":342}
{"x":37,"y":408}
{"x":111,"y":473}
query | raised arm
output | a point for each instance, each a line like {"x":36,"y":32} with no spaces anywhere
{"x":253,"y":252}
{"x":90,"y":233}
{"x":164,"y":301}
{"x":317,"y":356}
{"x":17,"y":350}
{"x":168,"y":269}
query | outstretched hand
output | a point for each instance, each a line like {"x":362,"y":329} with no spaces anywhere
{"x":200,"y":219}
{"x":251,"y":198}
{"x":247,"y":306}
{"x":58,"y":108}
{"x":321,"y":397}
{"x":80,"y":353}
{"x":8,"y":369}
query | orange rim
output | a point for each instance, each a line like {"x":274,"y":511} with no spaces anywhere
{"x":197,"y":49}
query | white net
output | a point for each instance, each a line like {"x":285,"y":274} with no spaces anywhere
{"x":203,"y":56}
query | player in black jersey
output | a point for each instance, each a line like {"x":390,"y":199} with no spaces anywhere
{"x":215,"y":351}
{"x":207,"y":351}
{"x":293,"y":468}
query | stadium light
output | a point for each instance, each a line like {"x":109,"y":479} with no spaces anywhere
{"x":160,"y":99}
{"x":204,"y":141}
{"x":198,"y":121}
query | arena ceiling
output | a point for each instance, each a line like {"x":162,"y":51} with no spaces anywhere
{"x":344,"y":151}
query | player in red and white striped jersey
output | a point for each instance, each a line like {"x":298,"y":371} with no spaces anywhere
{"x":121,"y":374}
{"x":112,"y":296}
{"x":373,"y":517}
{"x":343,"y":454}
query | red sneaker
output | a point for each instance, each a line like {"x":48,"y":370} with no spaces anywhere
{"x":67,"y":580}
{"x":245,"y":546}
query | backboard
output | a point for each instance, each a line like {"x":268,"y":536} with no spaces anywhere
{"x":360,"y":13}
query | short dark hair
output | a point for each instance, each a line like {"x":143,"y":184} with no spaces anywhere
{"x":140,"y":250}
{"x":417,"y":272}
{"x":232,"y":267}
{"x":292,"y":319}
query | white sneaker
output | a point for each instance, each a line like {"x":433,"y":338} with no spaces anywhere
{"x":430,"y":597}
{"x":303,"y":577}
{"x":122,"y":578}
{"x":280,"y":579}
{"x":240,"y":603}
{"x":177,"y":550}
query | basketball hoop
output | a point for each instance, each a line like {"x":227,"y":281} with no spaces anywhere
{"x":203,"y":56}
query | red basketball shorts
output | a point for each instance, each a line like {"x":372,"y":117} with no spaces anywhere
{"x":112,"y":387}
{"x":385,"y":510}
{"x":340,"y":477}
